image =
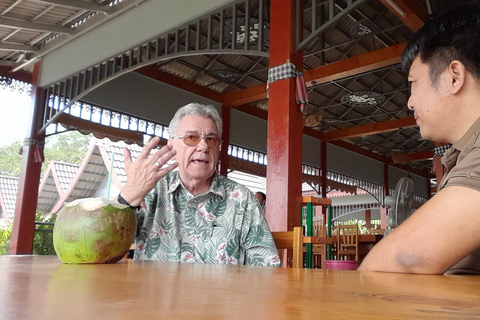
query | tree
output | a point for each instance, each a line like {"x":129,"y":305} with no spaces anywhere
{"x":69,"y":147}
{"x":43,"y":238}
{"x":5,"y":235}
{"x":10,"y":160}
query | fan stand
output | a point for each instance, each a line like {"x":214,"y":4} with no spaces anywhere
{"x":400,"y":204}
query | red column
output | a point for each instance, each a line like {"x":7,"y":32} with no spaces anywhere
{"x":225,"y":139}
{"x":284,"y":139}
{"x":368,"y":219}
{"x":27,"y":195}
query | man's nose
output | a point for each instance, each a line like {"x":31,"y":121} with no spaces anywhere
{"x":202,"y":144}
{"x":410,"y":103}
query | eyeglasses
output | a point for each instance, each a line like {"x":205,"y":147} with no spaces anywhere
{"x":192,"y":139}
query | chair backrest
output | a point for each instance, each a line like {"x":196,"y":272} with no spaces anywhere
{"x":319,"y":229}
{"x":290,"y":240}
{"x":347,"y":242}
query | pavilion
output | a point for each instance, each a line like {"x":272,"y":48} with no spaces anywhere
{"x":335,"y":116}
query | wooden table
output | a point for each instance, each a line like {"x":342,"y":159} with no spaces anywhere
{"x":41,"y":287}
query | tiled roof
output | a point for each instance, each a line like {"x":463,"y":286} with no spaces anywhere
{"x":54,"y":184}
{"x":118,"y":156}
{"x":252,"y":182}
{"x":65,"y":173}
{"x":8,"y":196}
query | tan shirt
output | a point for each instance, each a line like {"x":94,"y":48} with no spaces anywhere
{"x":463,"y":163}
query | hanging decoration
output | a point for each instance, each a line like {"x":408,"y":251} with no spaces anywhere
{"x":286,"y":71}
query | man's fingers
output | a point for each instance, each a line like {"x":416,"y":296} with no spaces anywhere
{"x":127,"y":157}
{"x":152,"y":144}
{"x":166,"y":170}
{"x":163,"y":155}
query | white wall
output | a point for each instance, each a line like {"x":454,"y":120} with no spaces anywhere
{"x":151,"y":99}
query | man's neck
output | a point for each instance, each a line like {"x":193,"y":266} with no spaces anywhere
{"x":197,"y":187}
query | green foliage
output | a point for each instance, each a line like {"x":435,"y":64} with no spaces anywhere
{"x":5,"y":235}
{"x":10,"y":160}
{"x":43,"y":238}
{"x":69,"y":147}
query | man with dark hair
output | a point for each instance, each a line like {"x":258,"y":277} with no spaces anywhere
{"x":194,"y":214}
{"x":443,"y":60}
{"x":262,"y":198}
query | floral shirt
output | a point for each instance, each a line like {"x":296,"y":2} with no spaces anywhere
{"x":224,"y":225}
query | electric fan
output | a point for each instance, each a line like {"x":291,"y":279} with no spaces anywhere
{"x":399,"y":205}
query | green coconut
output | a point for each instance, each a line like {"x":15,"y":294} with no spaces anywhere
{"x":93,"y":230}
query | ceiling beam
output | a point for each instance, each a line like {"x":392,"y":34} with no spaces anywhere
{"x":334,"y":71}
{"x":78,"y":4}
{"x":17,"y":47}
{"x":4,"y":22}
{"x":6,"y":71}
{"x":254,"y":111}
{"x":369,"y":129}
{"x":83,"y":28}
{"x":384,"y":159}
{"x":359,"y":64}
{"x":408,"y":11}
{"x":180,"y":83}
{"x":409,"y":157}
{"x":251,"y":94}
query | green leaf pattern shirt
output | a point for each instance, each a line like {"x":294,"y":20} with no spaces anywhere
{"x":224,"y":225}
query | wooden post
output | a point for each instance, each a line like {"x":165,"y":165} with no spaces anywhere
{"x":368,"y":219}
{"x":225,"y":141}
{"x":284,"y":135}
{"x":29,"y":180}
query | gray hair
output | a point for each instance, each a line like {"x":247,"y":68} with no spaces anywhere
{"x":203,"y":110}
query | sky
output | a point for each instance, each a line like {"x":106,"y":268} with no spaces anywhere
{"x":15,"y":115}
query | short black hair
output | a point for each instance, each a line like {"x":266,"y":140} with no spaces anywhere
{"x":454,"y":35}
{"x":264,"y":196}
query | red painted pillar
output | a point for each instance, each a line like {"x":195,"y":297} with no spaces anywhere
{"x":368,"y":219}
{"x":225,"y":140}
{"x":284,"y":135}
{"x":29,"y":181}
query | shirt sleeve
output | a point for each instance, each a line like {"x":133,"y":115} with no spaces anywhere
{"x":466,"y":172}
{"x":260,"y":249}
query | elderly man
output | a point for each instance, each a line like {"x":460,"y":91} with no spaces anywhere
{"x":443,"y":60}
{"x":193,"y":214}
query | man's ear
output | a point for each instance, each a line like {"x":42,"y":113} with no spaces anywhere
{"x":457,"y":73}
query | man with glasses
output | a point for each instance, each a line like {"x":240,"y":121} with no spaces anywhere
{"x":194,"y":214}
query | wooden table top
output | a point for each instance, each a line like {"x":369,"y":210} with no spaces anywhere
{"x":41,"y":287}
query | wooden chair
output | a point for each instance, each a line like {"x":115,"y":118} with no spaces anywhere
{"x":290,"y":240}
{"x":319,"y":230}
{"x":376,"y":231}
{"x":347,"y":242}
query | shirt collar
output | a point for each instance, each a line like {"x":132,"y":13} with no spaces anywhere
{"x":460,"y":144}
{"x":450,"y":157}
{"x":217,"y":187}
